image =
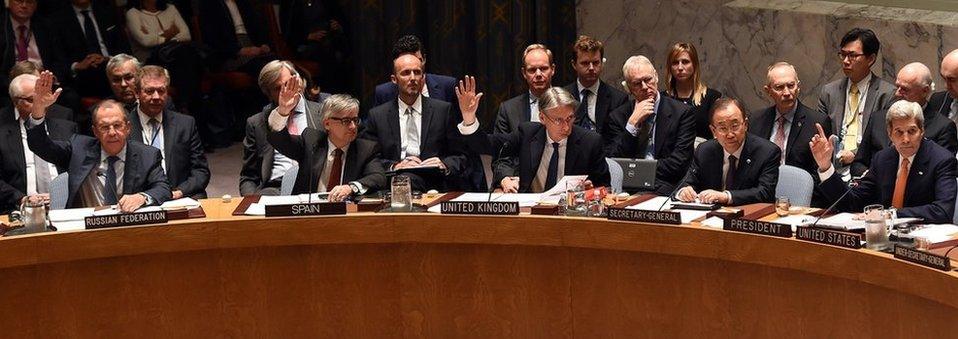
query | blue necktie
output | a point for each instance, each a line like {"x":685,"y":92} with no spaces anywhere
{"x":553,"y":174}
{"x":109,"y":194}
{"x":583,"y":111}
{"x":156,"y":140}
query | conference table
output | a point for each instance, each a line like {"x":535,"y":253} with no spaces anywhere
{"x":381,"y":275}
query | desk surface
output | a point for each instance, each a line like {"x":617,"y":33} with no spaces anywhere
{"x":438,"y":275}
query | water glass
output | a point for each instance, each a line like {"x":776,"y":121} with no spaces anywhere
{"x":876,"y":227}
{"x":400,"y":194}
{"x":782,"y":205}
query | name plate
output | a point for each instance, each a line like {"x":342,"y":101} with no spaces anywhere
{"x":758,"y":227}
{"x":829,"y":237}
{"x":316,"y":208}
{"x":659,"y":217}
{"x":480,"y":207}
{"x":923,"y":258}
{"x":125,"y":219}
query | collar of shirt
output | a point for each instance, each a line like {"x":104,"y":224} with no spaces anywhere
{"x":145,"y":119}
{"x":533,"y":98}
{"x":121,"y":155}
{"x":79,"y":11}
{"x":549,"y":141}
{"x":594,"y":88}
{"x":911,"y":160}
{"x":425,"y":87}
{"x":16,"y":23}
{"x":788,"y":115}
{"x":737,"y":153}
{"x":658,"y":99}
{"x":416,"y":106}
{"x":862,"y":85}
{"x":331,"y":148}
{"x":16,"y":115}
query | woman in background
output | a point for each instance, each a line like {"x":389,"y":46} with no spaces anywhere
{"x":684,"y":83}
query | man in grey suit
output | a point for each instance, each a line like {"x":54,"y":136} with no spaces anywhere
{"x":537,"y":69}
{"x":850,"y":101}
{"x":264,"y":167}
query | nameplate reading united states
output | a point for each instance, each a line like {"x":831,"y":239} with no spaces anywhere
{"x":316,"y":208}
{"x":829,"y":237}
{"x":923,"y":258}
{"x":659,"y":217}
{"x":758,"y":227}
{"x":480,"y":207}
{"x":125,"y":219}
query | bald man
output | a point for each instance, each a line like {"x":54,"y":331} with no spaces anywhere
{"x":944,"y":102}
{"x":912,"y":84}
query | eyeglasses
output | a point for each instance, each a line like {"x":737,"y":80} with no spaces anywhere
{"x":849,"y":55}
{"x":24,"y":2}
{"x":734,"y":128}
{"x":649,"y":81}
{"x":563,"y":121}
{"x":346,"y":121}
{"x":105,"y":128}
{"x":791,"y":86}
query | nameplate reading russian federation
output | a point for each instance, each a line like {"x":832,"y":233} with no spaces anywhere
{"x":316,"y":208}
{"x":659,"y":217}
{"x":480,"y":207}
{"x":922,"y":258}
{"x":125,"y":219}
{"x":829,"y":237}
{"x":758,"y":227}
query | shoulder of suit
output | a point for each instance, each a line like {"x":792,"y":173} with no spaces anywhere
{"x":833,"y":86}
{"x":760,"y":145}
{"x":438,"y":104}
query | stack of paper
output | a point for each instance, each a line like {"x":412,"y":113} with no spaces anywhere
{"x":259,"y":208}
{"x":656,"y":204}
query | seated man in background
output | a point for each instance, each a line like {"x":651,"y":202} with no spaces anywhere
{"x":537,"y":69}
{"x":916,"y":176}
{"x":89,"y":33}
{"x":748,"y":163}
{"x":121,"y":72}
{"x":105,"y":170}
{"x":338,"y":163}
{"x":435,"y":86}
{"x":25,"y":92}
{"x":596,"y":97}
{"x":545,"y":151}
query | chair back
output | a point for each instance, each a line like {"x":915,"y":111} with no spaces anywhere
{"x":60,"y":191}
{"x":615,"y":172}
{"x":796,"y":184}
{"x":289,"y":180}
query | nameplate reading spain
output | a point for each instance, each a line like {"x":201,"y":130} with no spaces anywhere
{"x":480,"y":207}
{"x":829,"y":237}
{"x":923,"y":258}
{"x":658,"y":217}
{"x":303,"y":209}
{"x":758,"y":227}
{"x":125,"y":219}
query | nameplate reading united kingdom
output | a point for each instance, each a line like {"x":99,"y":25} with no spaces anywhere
{"x":303,"y":209}
{"x":658,"y":217}
{"x":125,"y":219}
{"x":758,"y":227}
{"x":829,"y":237}
{"x":923,"y":258}
{"x":480,"y":207}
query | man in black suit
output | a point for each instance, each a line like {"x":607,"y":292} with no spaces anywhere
{"x":653,"y":126}
{"x":22,"y":173}
{"x":545,"y":151}
{"x":596,"y":98}
{"x":264,"y":167}
{"x":537,"y":69}
{"x":416,"y":131}
{"x":439,"y":87}
{"x":90,"y":33}
{"x":121,"y":72}
{"x":172,"y":133}
{"x":22,"y":88}
{"x":916,"y":176}
{"x":912,"y":84}
{"x":27,"y":37}
{"x":236,"y":33}
{"x":944,"y":102}
{"x":339,"y":163}
{"x":749,"y":164}
{"x":789,"y":123}
{"x":105,"y":170}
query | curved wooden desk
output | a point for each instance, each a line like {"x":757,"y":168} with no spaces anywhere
{"x":418,"y":275}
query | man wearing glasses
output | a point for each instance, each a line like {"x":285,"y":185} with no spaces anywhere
{"x":338,"y":162}
{"x":653,"y":126}
{"x":749,"y":164}
{"x":546,"y":150}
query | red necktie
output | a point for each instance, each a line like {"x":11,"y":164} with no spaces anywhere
{"x":291,"y":125}
{"x":22,"y":43}
{"x":336,"y":172}
{"x":780,"y":135}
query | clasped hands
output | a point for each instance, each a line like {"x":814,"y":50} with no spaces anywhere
{"x":688,"y":194}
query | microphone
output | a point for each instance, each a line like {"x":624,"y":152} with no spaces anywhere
{"x":829,"y":209}
{"x":492,"y":187}
{"x":678,"y":187}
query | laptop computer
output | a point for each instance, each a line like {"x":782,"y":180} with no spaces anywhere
{"x":637,"y":174}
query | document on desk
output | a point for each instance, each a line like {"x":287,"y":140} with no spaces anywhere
{"x":795,"y":220}
{"x":654,"y":204}
{"x":259,"y":208}
{"x":937,"y":233}
{"x":560,"y":186}
{"x":71,"y":219}
{"x":188,"y":203}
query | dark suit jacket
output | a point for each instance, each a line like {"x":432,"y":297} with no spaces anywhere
{"x":757,"y":173}
{"x":938,"y":128}
{"x":607,"y":100}
{"x":762,"y":123}
{"x":437,"y":137}
{"x":13,"y":176}
{"x":218,"y":30}
{"x":258,"y":153}
{"x":186,"y":167}
{"x":143,"y":171}
{"x":674,"y":140}
{"x":362,"y":159}
{"x":583,"y":155}
{"x":48,"y":44}
{"x":513,"y":112}
{"x":441,"y":87}
{"x":940,"y":103}
{"x":929,"y":194}
{"x":73,"y":39}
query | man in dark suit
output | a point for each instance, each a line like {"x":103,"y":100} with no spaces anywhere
{"x":22,"y":88}
{"x":537,"y":69}
{"x":172,"y":133}
{"x":596,"y":98}
{"x":264,"y":167}
{"x":22,"y":173}
{"x":27,"y":37}
{"x":789,"y":124}
{"x":238,"y":42}
{"x":105,"y":170}
{"x":545,"y":151}
{"x":749,"y":164}
{"x":90,"y":33}
{"x":912,"y":84}
{"x":339,"y":163}
{"x":653,"y":126}
{"x":439,"y":87}
{"x":944,"y":102}
{"x":916,"y":176}
{"x":415,"y":131}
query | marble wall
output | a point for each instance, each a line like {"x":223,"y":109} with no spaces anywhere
{"x":737,"y":40}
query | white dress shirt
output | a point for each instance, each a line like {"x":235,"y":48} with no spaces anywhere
{"x":862,"y":95}
{"x":789,"y":117}
{"x":542,"y":173}
{"x":28,"y":159}
{"x":590,"y":105}
{"x":417,"y":118}
{"x":81,"y":19}
{"x":148,"y":133}
{"x":533,"y":107}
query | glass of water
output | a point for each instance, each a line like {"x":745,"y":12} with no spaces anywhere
{"x":876,"y":230}
{"x":401,"y":194}
{"x":782,"y":205}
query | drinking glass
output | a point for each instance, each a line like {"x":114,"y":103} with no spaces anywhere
{"x":401,"y":194}
{"x":876,"y":228}
{"x":782,"y":205}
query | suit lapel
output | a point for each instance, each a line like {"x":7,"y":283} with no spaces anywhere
{"x":571,"y":154}
{"x":526,"y":109}
{"x":427,"y":115}
{"x":392,"y":119}
{"x":319,"y":164}
{"x":434,"y":90}
{"x":743,"y":166}
{"x":136,"y":127}
{"x":90,"y":163}
{"x":870,"y":100}
{"x":538,"y":143}
{"x":131,"y":170}
{"x":14,"y":139}
{"x":168,"y":137}
{"x":601,"y":104}
{"x":798,"y":122}
{"x":663,"y":119}
{"x":916,"y":174}
{"x":765,"y":123}
{"x":351,"y":170}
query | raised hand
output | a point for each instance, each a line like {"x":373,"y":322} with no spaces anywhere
{"x":822,"y":149}
{"x":468,"y":99}
{"x":44,"y":95}
{"x":289,"y":96}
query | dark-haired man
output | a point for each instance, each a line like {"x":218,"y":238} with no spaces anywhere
{"x":436,"y":86}
{"x":596,"y":98}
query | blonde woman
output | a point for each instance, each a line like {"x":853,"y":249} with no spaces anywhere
{"x":684,"y":83}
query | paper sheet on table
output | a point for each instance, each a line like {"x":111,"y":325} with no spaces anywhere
{"x":72,"y":225}
{"x":654,"y":204}
{"x":844,"y":221}
{"x":181,"y":203}
{"x":795,"y":220}
{"x":259,"y":208}
{"x":937,"y":233}
{"x":113,"y":210}
{"x":561,"y":185}
{"x":714,"y":222}
{"x":70,"y":214}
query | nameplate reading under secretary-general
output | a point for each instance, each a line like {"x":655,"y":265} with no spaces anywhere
{"x":922,"y":258}
{"x":125,"y":219}
{"x":758,"y":227}
{"x":659,"y":217}
{"x":304,"y":209}
{"x":480,"y":207}
{"x":829,"y":237}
